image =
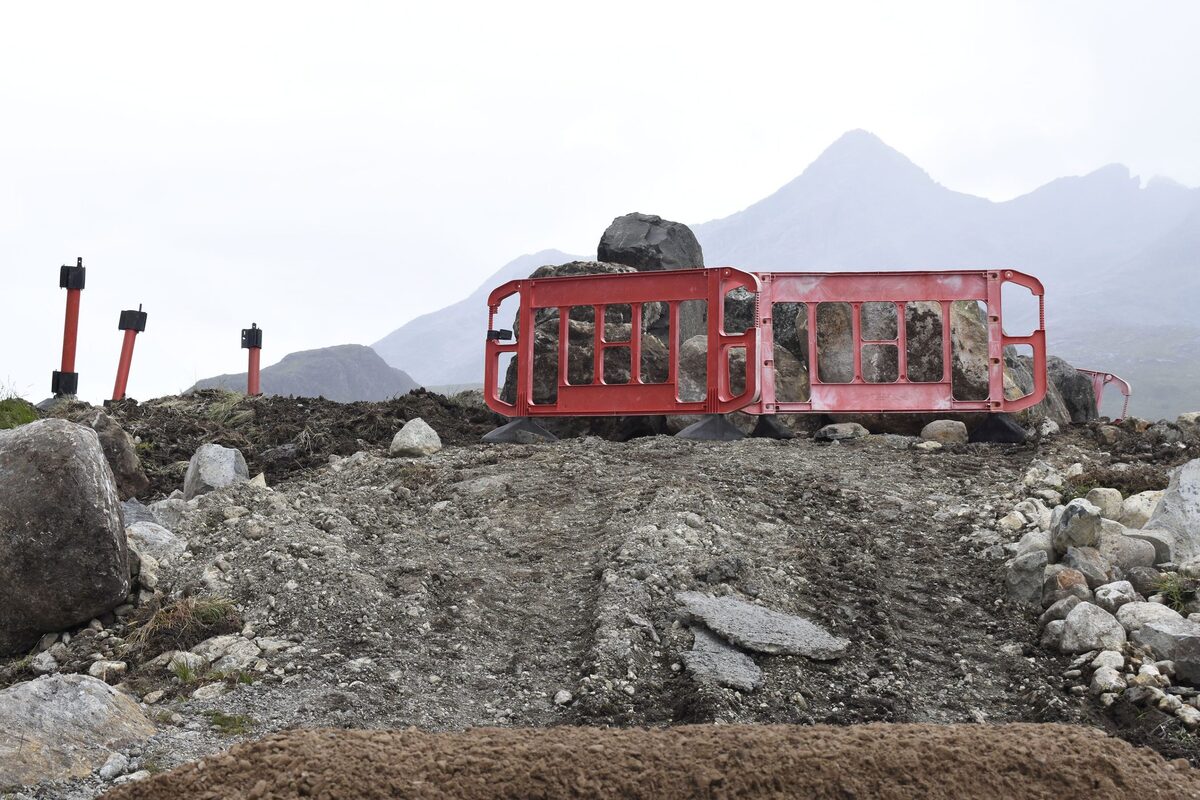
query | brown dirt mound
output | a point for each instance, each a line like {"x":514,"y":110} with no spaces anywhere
{"x":280,"y":435}
{"x":743,"y":761}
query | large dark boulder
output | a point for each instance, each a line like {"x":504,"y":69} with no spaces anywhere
{"x":1075,"y":389}
{"x":648,"y":242}
{"x":63,"y":555}
{"x":119,"y":450}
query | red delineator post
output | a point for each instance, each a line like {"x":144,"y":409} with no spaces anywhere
{"x":252,"y":341}
{"x":65,"y":381}
{"x":133,"y":323}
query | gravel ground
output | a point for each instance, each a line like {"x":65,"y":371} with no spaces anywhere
{"x":534,"y":585}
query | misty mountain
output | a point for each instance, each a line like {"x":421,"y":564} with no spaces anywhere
{"x":446,"y":346}
{"x":1120,"y":260}
{"x":344,"y":373}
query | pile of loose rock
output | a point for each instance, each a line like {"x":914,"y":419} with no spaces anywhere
{"x":1113,"y":579}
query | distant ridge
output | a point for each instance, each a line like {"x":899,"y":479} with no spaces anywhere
{"x":345,"y":373}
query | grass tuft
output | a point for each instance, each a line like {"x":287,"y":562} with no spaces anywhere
{"x":230,"y":724}
{"x":181,"y":624}
{"x":1177,"y":590}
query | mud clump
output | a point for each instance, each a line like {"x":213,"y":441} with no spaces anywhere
{"x":881,"y":761}
{"x":282,"y":435}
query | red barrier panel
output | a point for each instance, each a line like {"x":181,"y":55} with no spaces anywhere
{"x":599,"y":397}
{"x":858,"y":391}
{"x":1102,"y":379}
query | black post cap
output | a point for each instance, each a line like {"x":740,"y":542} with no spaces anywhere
{"x":72,"y":277}
{"x":252,"y":336}
{"x":64,"y":383}
{"x":132,"y":320}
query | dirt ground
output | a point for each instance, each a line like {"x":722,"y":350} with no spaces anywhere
{"x":867,"y":761}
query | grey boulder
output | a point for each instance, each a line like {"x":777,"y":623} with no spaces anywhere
{"x":1075,"y":525}
{"x":945,"y":431}
{"x":1133,"y":616}
{"x":1023,"y":578}
{"x":214,"y":467}
{"x":1089,"y":627}
{"x":1179,"y":511}
{"x":648,"y":242}
{"x":119,"y":451}
{"x":63,"y":557}
{"x":66,"y":727}
{"x":1177,"y":641}
{"x":761,"y":629}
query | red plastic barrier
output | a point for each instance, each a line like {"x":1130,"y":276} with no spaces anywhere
{"x":1102,"y":379}
{"x":638,"y":396}
{"x":857,"y":395}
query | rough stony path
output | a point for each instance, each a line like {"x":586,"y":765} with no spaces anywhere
{"x":477,"y":586}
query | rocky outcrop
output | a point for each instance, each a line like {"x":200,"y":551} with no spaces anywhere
{"x":63,"y":556}
{"x":1075,"y":389}
{"x":66,"y":726}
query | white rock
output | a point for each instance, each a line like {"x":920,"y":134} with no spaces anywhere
{"x":1179,"y":511}
{"x":1034,"y":510}
{"x":1036,"y":541}
{"x":1133,"y":616}
{"x":1189,"y":716}
{"x":214,"y":467}
{"x":562,"y":697}
{"x":43,"y":664}
{"x":1089,"y":627}
{"x":108,"y":671}
{"x":228,"y":653}
{"x":210,"y":691}
{"x":1112,"y":596}
{"x":1107,"y":500}
{"x":147,"y":538}
{"x":116,"y":765}
{"x":415,"y":439}
{"x":1137,"y":509}
{"x":1108,"y":658}
{"x":1107,"y":679}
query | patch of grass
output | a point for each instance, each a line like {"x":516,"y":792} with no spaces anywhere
{"x":230,"y":724}
{"x":1177,"y":590}
{"x":14,"y":411}
{"x":185,"y":673}
{"x":181,"y":624}
{"x":224,"y":410}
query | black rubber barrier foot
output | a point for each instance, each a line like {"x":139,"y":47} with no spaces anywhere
{"x":521,"y":430}
{"x":769,"y":427}
{"x":713,"y":428}
{"x":999,"y":429}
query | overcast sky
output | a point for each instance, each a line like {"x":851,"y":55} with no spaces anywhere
{"x":331,"y":170}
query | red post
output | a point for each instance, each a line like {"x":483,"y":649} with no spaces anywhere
{"x":133,"y":323}
{"x":65,"y":381}
{"x":252,"y":341}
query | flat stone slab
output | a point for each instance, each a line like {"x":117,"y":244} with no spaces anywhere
{"x":761,"y":629}
{"x":713,"y":660}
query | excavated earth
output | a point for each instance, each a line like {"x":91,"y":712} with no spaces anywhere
{"x":733,"y":761}
{"x":530,"y":586}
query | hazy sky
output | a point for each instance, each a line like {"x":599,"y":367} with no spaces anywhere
{"x":332,"y":170}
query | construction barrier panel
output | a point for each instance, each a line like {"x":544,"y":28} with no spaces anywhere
{"x":1100,"y":380}
{"x":852,"y":322}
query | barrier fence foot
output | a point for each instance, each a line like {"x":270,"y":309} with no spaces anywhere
{"x":999,"y":429}
{"x":769,"y":427}
{"x":713,"y":428}
{"x":521,"y":430}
